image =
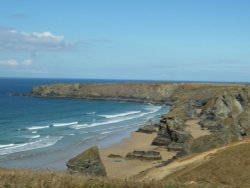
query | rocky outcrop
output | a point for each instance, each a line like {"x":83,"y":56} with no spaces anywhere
{"x":144,"y":155}
{"x":224,"y":112}
{"x":149,"y":128}
{"x":114,"y":156}
{"x":172,"y":133}
{"x":87,"y":163}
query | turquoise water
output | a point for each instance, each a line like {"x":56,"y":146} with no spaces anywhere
{"x":42,"y":132}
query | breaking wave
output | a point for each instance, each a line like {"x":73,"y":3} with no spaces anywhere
{"x":120,"y":115}
{"x":44,"y":142}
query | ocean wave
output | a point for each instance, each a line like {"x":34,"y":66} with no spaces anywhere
{"x":117,"y":120}
{"x":64,"y":124}
{"x":6,"y":145}
{"x":35,"y":136}
{"x":31,"y":136}
{"x":44,"y":142}
{"x":79,"y":126}
{"x":106,"y":132}
{"x":120,"y":114}
{"x":38,"y":127}
{"x":153,"y":109}
{"x":90,"y":113}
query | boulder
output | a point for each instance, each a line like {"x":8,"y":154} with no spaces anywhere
{"x":114,"y":156}
{"x":161,"y":140}
{"x":149,"y":128}
{"x":144,"y":155}
{"x":87,"y":163}
{"x":174,"y":146}
{"x":164,"y":163}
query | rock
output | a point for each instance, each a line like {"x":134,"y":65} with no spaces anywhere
{"x":212,"y":126}
{"x":144,"y":155}
{"x":87,"y":163}
{"x":172,"y":131}
{"x":161,"y":141}
{"x":114,"y":156}
{"x":207,"y":142}
{"x":164,"y":163}
{"x":149,"y":128}
{"x":174,"y":146}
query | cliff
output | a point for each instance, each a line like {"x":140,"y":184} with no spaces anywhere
{"x":141,"y":92}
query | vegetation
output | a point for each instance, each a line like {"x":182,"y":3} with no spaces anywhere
{"x":228,"y":168}
{"x":16,"y":178}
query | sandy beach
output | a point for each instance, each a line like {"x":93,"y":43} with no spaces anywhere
{"x":124,"y":169}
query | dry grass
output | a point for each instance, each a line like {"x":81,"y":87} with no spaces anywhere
{"x":19,"y":178}
{"x":228,"y":168}
{"x":10,"y":178}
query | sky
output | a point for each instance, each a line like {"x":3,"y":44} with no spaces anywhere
{"x":183,"y":40}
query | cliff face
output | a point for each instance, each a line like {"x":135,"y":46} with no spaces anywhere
{"x":221,"y":109}
{"x":223,"y":112}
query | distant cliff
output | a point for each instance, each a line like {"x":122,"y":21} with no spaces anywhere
{"x":141,"y":92}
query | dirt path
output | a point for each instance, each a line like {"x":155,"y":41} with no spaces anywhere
{"x":162,"y":172}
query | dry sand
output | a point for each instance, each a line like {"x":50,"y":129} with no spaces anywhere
{"x":121,"y":168}
{"x":195,"y":129}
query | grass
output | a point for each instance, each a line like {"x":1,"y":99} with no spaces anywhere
{"x":20,"y":178}
{"x":228,"y":168}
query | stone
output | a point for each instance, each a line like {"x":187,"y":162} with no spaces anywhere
{"x":174,"y":146}
{"x":144,"y":155}
{"x":149,"y":128}
{"x":87,"y":163}
{"x":164,"y":163}
{"x":161,"y":141}
{"x":114,"y":156}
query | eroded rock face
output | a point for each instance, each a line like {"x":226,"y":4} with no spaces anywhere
{"x":87,"y":163}
{"x":171,"y":134}
{"x":225,"y":113}
{"x":144,"y":155}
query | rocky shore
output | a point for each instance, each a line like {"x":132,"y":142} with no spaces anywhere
{"x":203,"y":115}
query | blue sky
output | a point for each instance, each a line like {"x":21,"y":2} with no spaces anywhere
{"x":192,"y":40}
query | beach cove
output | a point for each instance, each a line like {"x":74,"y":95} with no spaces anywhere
{"x":42,"y":133}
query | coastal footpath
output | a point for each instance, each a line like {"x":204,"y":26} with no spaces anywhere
{"x":204,"y":118}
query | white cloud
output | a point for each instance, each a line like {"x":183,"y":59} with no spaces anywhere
{"x":15,"y":63}
{"x":27,"y":62}
{"x":13,"y":40}
{"x":9,"y":62}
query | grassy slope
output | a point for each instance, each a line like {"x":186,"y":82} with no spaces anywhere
{"x":227,"y":168}
{"x":45,"y":179}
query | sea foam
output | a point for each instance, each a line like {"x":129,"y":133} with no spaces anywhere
{"x":44,"y":142}
{"x":120,"y":114}
{"x":38,"y":127}
{"x":64,"y":124}
{"x":119,"y":118}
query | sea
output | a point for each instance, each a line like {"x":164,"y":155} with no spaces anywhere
{"x":43,"y":133}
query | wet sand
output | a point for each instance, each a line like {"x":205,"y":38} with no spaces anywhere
{"x":122,"y":168}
